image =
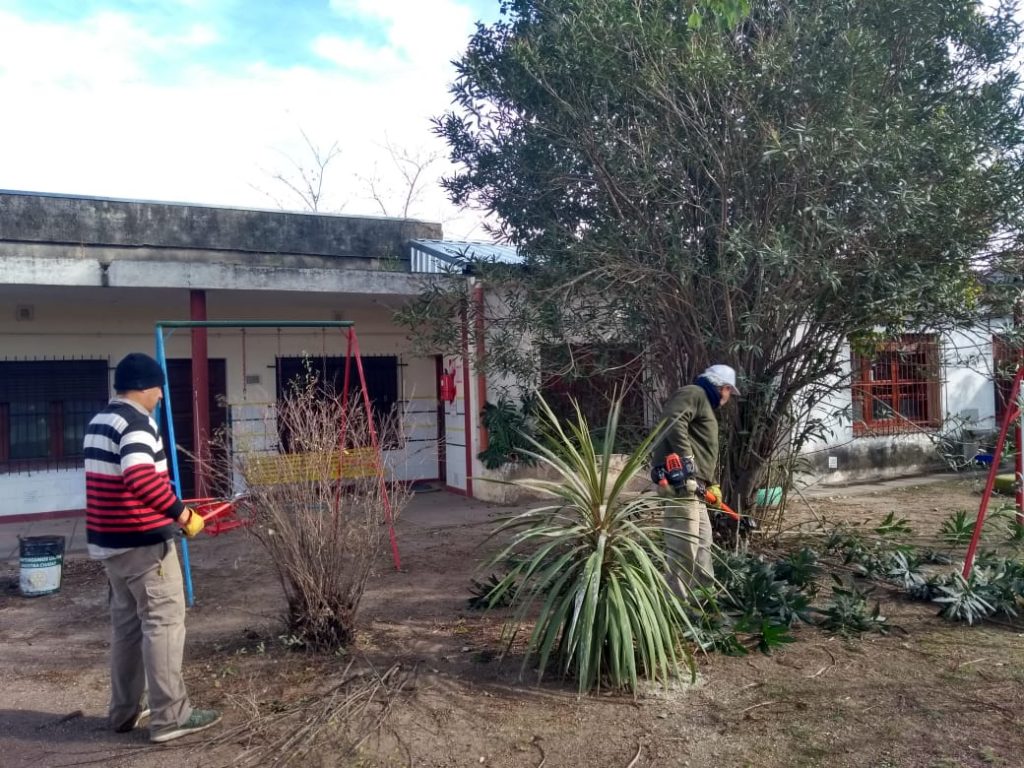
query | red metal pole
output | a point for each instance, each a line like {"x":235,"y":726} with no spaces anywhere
{"x":1012,"y":411}
{"x":354,"y":350}
{"x":1018,"y":465}
{"x":467,"y":399}
{"x":200,"y":393}
{"x":481,"y":378}
{"x":1018,"y":472}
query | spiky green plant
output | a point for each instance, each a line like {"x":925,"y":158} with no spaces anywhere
{"x":894,"y":527}
{"x":800,"y":569}
{"x":957,"y":529}
{"x":904,"y":570}
{"x":848,"y":612}
{"x":589,"y":573}
{"x":966,"y":600}
{"x":994,"y":586}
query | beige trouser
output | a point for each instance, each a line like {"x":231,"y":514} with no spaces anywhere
{"x":688,"y":544}
{"x":147,"y":613}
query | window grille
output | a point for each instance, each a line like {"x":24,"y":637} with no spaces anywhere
{"x":45,"y":406}
{"x":896,"y":389}
{"x":381,"y":382}
{"x":1005,"y":356}
{"x":590,"y":374}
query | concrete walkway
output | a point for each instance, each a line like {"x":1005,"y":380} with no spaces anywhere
{"x":437,"y":509}
{"x":71,"y":528}
{"x":880,"y":486}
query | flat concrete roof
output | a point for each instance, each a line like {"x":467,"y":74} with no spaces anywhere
{"x":53,"y":219}
{"x":48,"y":239}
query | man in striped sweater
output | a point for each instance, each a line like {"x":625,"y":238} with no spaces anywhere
{"x":131,"y":518}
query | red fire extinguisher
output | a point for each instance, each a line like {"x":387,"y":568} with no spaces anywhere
{"x":448,"y":385}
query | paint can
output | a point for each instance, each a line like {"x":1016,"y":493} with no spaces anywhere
{"x":42,"y":562}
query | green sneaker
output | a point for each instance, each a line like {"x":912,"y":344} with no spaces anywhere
{"x":199,"y":720}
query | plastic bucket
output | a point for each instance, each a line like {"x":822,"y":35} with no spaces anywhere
{"x":42,"y":561}
{"x":768,"y":497}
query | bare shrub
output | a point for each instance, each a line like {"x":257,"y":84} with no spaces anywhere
{"x":323,"y":529}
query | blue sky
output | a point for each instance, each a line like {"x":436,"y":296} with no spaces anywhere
{"x":207,"y":100}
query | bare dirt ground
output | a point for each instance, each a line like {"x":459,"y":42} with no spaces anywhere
{"x":928,"y":695}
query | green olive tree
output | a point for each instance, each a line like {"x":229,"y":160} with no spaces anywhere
{"x":748,"y":183}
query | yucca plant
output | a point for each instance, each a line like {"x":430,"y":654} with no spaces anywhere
{"x":589,"y":566}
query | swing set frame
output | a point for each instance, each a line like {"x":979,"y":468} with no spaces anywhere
{"x":165,"y":328}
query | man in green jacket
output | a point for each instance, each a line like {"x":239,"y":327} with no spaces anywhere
{"x":692,"y":436}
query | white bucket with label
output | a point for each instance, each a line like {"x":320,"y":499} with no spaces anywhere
{"x":42,"y":562}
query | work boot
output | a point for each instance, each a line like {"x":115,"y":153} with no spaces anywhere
{"x":199,"y":720}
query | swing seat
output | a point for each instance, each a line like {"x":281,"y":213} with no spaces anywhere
{"x":283,"y":468}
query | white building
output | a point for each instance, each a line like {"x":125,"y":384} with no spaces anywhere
{"x":84,"y":280}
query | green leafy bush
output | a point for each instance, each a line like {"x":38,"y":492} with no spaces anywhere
{"x":509,"y":430}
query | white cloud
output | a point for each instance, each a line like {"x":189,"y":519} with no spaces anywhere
{"x":425,"y":29}
{"x":357,"y":56}
{"x":91,"y":121}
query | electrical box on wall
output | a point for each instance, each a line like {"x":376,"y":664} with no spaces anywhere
{"x":833,"y":462}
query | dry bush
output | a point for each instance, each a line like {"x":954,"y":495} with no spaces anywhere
{"x":322,"y":533}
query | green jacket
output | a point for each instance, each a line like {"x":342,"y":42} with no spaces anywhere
{"x":692,"y":431}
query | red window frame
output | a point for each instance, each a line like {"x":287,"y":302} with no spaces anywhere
{"x":1005,"y":357}
{"x":597,"y":371}
{"x":896,"y":389}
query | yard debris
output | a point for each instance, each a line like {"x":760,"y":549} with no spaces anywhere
{"x":338,"y":721}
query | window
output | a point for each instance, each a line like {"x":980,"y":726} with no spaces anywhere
{"x":1005,"y":354}
{"x":591,"y":375}
{"x":381,"y":381}
{"x":897,"y":388}
{"x":45,"y":406}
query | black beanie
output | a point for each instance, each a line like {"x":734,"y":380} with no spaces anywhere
{"x":137,"y":371}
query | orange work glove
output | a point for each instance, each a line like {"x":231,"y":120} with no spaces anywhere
{"x":714,"y":496}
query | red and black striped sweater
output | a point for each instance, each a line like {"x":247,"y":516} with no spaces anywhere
{"x":129,"y":498}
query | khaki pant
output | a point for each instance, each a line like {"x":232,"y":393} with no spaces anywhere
{"x":687,"y":529}
{"x":147,"y":613}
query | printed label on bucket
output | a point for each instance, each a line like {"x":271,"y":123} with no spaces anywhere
{"x":40,"y":575}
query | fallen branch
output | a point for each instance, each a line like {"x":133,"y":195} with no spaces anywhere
{"x":543,"y":758}
{"x":639,"y":748}
{"x":758,"y":706}
{"x":314,"y":721}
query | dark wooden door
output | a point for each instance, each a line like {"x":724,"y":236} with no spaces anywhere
{"x":179,"y":378}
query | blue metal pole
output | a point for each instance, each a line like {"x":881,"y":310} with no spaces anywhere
{"x":170,"y":448}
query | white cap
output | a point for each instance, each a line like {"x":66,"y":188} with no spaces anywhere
{"x":722,"y":376}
